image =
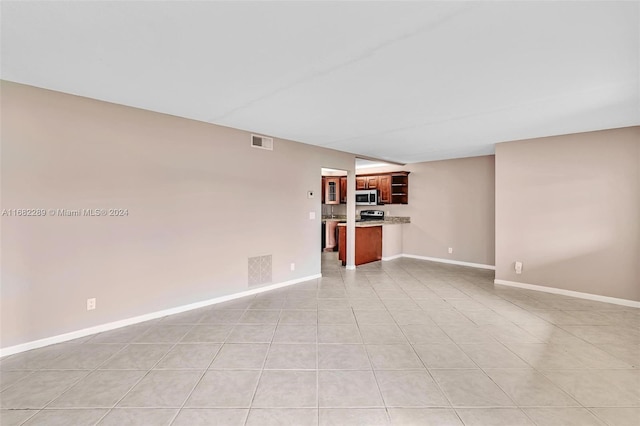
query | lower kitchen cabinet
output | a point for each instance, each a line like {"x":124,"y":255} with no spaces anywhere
{"x":330,"y":235}
{"x":368,"y":244}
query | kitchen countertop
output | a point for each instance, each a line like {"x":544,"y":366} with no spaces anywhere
{"x":389,"y":220}
{"x":335,"y":218}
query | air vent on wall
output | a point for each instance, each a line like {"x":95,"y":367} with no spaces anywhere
{"x":259,"y":270}
{"x":262,"y":142}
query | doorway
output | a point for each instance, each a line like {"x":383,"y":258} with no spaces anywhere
{"x":334,"y":214}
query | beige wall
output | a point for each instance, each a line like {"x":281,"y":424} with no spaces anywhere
{"x":451,"y":204}
{"x":200,"y":202}
{"x":568,"y":207}
{"x":392,"y":240}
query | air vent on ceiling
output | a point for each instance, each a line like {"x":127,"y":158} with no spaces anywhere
{"x":262,"y":142}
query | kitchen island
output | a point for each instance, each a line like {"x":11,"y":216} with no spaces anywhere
{"x":369,"y":244}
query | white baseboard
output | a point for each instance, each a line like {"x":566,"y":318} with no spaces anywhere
{"x":396,"y":256}
{"x":10,"y":350}
{"x":350,"y":267}
{"x":449,"y":261}
{"x":578,"y":294}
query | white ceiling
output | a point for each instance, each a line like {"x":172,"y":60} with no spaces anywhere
{"x":403,"y":81}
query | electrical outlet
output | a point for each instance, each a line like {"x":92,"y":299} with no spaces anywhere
{"x":450,"y":250}
{"x":293,"y":266}
{"x":91,"y":304}
{"x":312,"y":215}
{"x":518,"y":267}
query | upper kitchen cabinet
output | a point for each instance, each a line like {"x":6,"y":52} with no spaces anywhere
{"x":384,"y":185}
{"x":393,"y":187}
{"x":331,"y":190}
{"x":399,"y":182}
{"x":343,"y":190}
{"x":367,"y":182}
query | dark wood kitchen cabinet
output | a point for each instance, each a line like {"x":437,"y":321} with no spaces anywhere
{"x":399,"y":186}
{"x":393,"y":187}
{"x":373,"y":182}
{"x":331,"y":190}
{"x":330,"y":238}
{"x":343,"y":190}
{"x":384,"y":185}
{"x":368,"y":244}
{"x":367,"y":182}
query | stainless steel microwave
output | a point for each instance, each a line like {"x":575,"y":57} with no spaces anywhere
{"x":367,"y":197}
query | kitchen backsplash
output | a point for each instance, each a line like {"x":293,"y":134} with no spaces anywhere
{"x":341,"y":209}
{"x":338,"y":209}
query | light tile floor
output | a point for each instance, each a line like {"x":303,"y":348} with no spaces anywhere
{"x":404,"y":342}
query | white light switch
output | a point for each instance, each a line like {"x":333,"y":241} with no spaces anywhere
{"x":310,"y":194}
{"x":312,"y":215}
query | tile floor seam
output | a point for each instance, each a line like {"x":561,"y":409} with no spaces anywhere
{"x":553,"y":385}
{"x":30,"y":373}
{"x":413,"y":349}
{"x":373,"y":370}
{"x":428,"y":369}
{"x":173,"y":419}
{"x":482,"y":369}
{"x":545,"y":378}
{"x":91,"y":371}
{"x":518,"y":321}
{"x":528,"y":416}
{"x":80,"y":379}
{"x":264,"y":362}
{"x":317,"y":364}
{"x":144,"y":375}
{"x":487,"y":376}
{"x":30,"y":417}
